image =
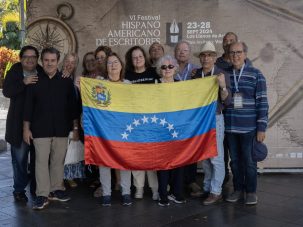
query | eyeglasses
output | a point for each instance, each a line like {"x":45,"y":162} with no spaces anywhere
{"x":238,"y":53}
{"x":29,"y":57}
{"x":164,"y":67}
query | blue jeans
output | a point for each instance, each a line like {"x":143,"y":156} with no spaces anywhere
{"x":243,"y":168}
{"x":19,"y":162}
{"x":214,"y":168}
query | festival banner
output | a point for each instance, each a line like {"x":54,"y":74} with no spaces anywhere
{"x":149,"y":126}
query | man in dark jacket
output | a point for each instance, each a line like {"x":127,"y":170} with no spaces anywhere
{"x":50,"y":113}
{"x":16,"y":81}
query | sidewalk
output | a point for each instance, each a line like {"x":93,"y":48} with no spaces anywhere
{"x":280,"y":205}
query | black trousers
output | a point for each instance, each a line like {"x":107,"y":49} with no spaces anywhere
{"x":174,"y":177}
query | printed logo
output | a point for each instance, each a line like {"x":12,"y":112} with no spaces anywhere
{"x":101,"y":95}
{"x":173,"y":33}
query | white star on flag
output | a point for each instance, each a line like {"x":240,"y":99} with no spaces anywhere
{"x":124,"y":135}
{"x":144,"y":119}
{"x":170,"y":127}
{"x":129,"y":128}
{"x":162,"y":122}
{"x":154,"y":119}
{"x":174,"y":134}
{"x":136,"y":122}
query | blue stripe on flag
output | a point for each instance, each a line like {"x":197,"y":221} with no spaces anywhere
{"x":159,"y":127}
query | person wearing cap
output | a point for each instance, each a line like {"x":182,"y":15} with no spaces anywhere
{"x":245,"y":118}
{"x":214,"y":170}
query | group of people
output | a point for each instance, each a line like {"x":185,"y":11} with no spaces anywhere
{"x":45,"y":107}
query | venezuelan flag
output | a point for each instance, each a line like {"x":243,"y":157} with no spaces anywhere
{"x":149,"y":126}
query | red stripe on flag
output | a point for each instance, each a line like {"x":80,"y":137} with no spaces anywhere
{"x":150,"y":156}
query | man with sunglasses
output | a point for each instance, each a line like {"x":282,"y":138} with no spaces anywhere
{"x":245,"y":118}
{"x":214,"y":170}
{"x":18,"y":78}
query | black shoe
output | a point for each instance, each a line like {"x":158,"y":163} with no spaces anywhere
{"x":175,"y":199}
{"x":163,"y":203}
{"x":58,"y":195}
{"x":20,"y":197}
{"x":40,"y":203}
{"x":126,"y":200}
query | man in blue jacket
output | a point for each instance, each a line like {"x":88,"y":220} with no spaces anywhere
{"x":245,"y":119}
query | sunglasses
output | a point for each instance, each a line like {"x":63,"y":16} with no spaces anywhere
{"x":167,"y":67}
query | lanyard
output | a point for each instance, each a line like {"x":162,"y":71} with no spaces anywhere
{"x":186,"y":73}
{"x":212,"y":72}
{"x":235,"y":80}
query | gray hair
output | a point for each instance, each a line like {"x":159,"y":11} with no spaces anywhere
{"x":245,"y":48}
{"x":72,"y":54}
{"x":169,"y":58}
{"x":183,"y":41}
{"x":231,"y":33}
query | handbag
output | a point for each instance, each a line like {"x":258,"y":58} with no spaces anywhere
{"x":75,"y":152}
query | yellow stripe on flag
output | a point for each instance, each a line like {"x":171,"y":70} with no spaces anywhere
{"x":148,"y":98}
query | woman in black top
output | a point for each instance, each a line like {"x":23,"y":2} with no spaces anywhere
{"x":138,"y":71}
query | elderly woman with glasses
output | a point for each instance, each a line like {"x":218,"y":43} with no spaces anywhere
{"x":73,"y":171}
{"x":167,"y":67}
{"x":138,"y":71}
{"x":114,"y":70}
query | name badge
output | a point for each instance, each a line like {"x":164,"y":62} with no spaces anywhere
{"x":238,"y":100}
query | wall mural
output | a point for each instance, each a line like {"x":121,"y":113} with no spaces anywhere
{"x":273,"y":31}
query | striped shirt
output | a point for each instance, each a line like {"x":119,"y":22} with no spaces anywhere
{"x":254,"y":114}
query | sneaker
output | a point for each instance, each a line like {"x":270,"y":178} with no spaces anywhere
{"x":251,"y":199}
{"x":106,"y":201}
{"x":175,"y":199}
{"x":98,"y":192}
{"x":58,"y":195}
{"x":163,"y":203}
{"x":171,"y":197}
{"x":40,"y":202}
{"x":139,"y":193}
{"x":212,"y":199}
{"x":234,"y":197}
{"x":126,"y":200}
{"x":72,"y":183}
{"x":196,"y":194}
{"x":194,"y":187}
{"x":20,"y":197}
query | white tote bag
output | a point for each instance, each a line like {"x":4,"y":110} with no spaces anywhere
{"x":75,"y":152}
